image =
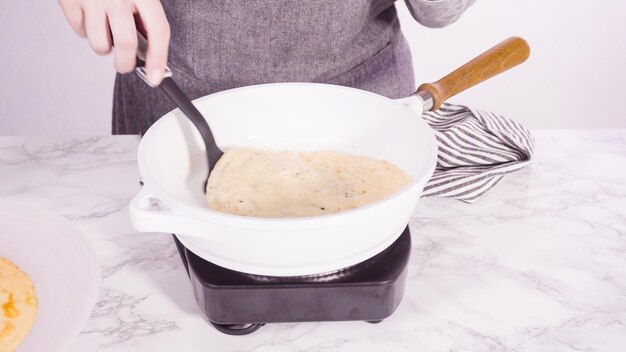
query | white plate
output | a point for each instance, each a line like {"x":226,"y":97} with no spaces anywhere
{"x":63,"y":267}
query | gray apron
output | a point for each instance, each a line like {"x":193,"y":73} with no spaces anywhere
{"x":218,"y":45}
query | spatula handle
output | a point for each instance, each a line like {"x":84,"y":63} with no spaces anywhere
{"x":509,"y":53}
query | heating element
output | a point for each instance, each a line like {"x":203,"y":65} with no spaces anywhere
{"x":237,"y":303}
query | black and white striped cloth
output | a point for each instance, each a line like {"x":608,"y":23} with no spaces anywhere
{"x":476,"y":149}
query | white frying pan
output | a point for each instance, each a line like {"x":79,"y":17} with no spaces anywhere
{"x":300,"y":117}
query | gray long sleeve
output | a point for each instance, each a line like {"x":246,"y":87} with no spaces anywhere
{"x":437,"y":13}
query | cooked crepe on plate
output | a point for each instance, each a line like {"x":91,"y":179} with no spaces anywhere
{"x":18,"y":305}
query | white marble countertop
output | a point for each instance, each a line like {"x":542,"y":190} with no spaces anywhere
{"x":539,"y":264}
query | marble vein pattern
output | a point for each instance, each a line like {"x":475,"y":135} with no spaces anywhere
{"x":539,"y":264}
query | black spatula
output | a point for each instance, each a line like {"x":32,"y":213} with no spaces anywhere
{"x":173,"y":91}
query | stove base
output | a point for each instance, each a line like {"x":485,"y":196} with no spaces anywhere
{"x":237,"y":303}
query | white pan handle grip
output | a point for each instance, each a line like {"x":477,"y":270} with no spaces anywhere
{"x":413,"y":102}
{"x":144,"y":217}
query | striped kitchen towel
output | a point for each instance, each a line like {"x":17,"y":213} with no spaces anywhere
{"x":476,"y":149}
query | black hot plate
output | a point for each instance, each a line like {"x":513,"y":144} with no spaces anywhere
{"x":237,"y":303}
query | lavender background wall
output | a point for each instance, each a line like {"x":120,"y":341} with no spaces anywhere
{"x":52,"y":84}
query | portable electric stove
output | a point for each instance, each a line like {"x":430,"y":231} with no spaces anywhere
{"x":237,"y":303}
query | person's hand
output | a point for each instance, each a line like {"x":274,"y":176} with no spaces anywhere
{"x":93,"y":18}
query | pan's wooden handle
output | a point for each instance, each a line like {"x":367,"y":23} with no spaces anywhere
{"x":509,"y":53}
